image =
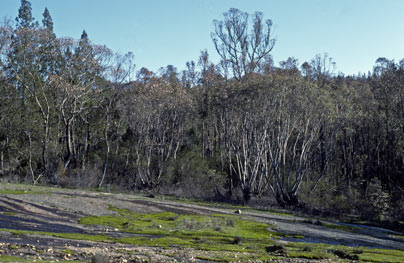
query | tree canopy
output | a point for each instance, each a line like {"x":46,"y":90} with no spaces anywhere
{"x":75,"y":113}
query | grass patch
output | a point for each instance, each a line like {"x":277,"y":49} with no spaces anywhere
{"x":382,"y":255}
{"x":230,"y":235}
{"x":324,"y":251}
{"x":167,"y":229}
{"x":308,"y":251}
{"x":8,"y":213}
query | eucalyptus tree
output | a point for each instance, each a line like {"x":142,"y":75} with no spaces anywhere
{"x":293,"y":122}
{"x":6,"y":32}
{"x":82,"y":70}
{"x":387,"y":86}
{"x":156,"y":114}
{"x":42,"y":93}
{"x":322,"y":67}
{"x":244,"y":49}
{"x":246,"y":134}
{"x":119,"y":74}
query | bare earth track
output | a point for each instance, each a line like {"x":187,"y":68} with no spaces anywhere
{"x":59,"y":210}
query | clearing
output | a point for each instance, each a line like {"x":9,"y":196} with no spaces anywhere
{"x":46,"y":224}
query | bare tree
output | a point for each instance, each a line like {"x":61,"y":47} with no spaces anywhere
{"x":322,"y":68}
{"x":119,"y":73}
{"x":244,"y":50}
{"x":293,"y":123}
{"x":156,"y":113}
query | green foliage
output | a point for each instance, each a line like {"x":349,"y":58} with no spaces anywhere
{"x":47,"y":21}
{"x":25,"y":18}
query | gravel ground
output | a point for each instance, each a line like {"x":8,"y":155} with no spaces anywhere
{"x":58,"y":210}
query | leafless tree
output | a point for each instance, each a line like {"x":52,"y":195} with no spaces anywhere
{"x":242,"y":48}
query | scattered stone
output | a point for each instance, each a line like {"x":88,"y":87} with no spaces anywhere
{"x":98,"y":258}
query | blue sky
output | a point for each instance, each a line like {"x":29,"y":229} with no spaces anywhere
{"x":161,"y":32}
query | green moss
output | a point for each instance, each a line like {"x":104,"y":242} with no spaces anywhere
{"x":382,"y":255}
{"x":219,"y":237}
{"x":13,"y":246}
{"x":8,"y":213}
{"x":323,"y":251}
{"x":213,"y":233}
{"x":67,"y":252}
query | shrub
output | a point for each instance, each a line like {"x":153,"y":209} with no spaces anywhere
{"x":192,"y":176}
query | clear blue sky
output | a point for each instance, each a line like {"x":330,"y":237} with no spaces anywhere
{"x":161,"y":32}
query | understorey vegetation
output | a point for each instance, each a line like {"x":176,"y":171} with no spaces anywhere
{"x":76,"y":114}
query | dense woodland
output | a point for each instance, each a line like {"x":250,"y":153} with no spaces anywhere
{"x":76,"y":114}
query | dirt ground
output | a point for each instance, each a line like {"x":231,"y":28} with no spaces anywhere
{"x":58,"y":210}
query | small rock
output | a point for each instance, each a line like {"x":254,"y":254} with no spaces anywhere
{"x":238,"y":211}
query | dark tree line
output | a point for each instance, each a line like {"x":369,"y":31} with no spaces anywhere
{"x":73,"y":114}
